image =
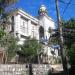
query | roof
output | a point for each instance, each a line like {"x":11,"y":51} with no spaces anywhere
{"x":25,"y":14}
{"x":49,"y":18}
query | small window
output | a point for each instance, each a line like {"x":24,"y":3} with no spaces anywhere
{"x":12,"y":28}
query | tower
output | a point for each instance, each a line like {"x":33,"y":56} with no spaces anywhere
{"x":42,"y":12}
{"x":45,"y":22}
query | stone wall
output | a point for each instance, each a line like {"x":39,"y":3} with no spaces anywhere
{"x":18,"y":69}
{"x":14,"y":69}
{"x":41,"y":69}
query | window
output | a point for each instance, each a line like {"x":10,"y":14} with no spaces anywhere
{"x":33,"y":30}
{"x":24,"y":26}
{"x":41,"y":32}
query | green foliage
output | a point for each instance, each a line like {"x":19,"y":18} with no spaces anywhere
{"x":2,"y":33}
{"x":12,"y":46}
{"x":9,"y":42}
{"x":70,"y":39}
{"x":70,"y":24}
{"x":71,"y":54}
{"x":70,"y":35}
{"x":5,"y":3}
{"x":1,"y":10}
{"x":30,"y":47}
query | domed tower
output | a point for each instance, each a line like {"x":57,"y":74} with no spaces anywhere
{"x":42,"y":10}
{"x":45,"y":23}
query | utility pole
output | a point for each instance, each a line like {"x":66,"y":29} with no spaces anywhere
{"x":62,"y":50}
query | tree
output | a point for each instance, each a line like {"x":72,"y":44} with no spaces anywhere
{"x":6,"y":39}
{"x":31,"y":48}
{"x":71,"y":54}
{"x":3,"y":15}
{"x":2,"y":33}
{"x":5,"y":3}
{"x":69,"y":37}
{"x":69,"y":33}
{"x":9,"y":42}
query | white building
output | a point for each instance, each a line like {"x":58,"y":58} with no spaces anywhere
{"x":24,"y":25}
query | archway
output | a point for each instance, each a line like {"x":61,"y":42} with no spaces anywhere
{"x":41,"y":32}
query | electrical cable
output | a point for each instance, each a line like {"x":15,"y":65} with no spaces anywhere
{"x":65,"y":2}
{"x":66,"y":7}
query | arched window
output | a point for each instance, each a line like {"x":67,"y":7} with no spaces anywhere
{"x":12,"y":23}
{"x":41,"y":32}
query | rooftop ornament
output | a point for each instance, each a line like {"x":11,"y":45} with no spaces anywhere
{"x":43,"y":10}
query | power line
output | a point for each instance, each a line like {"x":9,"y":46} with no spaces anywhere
{"x":66,"y":2}
{"x":63,"y":54}
{"x":66,"y":6}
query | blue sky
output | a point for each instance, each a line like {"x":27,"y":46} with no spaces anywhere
{"x":32,"y":6}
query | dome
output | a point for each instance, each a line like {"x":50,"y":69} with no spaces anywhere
{"x":43,"y":9}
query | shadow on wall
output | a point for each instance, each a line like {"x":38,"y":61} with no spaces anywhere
{"x":30,"y":69}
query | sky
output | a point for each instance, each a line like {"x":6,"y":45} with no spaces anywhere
{"x":32,"y":7}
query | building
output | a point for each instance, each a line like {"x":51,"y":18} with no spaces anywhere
{"x":24,"y":25}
